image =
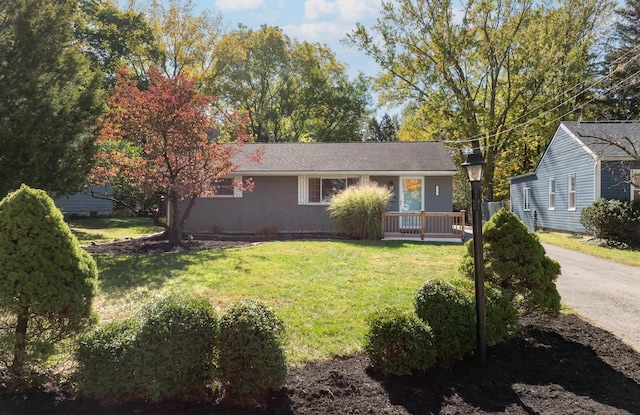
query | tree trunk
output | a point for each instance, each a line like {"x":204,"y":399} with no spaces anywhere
{"x":19,"y":347}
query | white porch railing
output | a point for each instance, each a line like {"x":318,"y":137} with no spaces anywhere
{"x":423,"y":225}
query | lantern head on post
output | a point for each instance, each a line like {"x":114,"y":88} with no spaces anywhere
{"x":474,"y":165}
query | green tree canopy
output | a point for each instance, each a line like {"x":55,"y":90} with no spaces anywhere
{"x":290,"y":91}
{"x":49,"y":98}
{"x":477,"y":73}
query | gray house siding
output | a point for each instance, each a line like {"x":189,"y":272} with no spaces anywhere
{"x":565,"y":156}
{"x":83,"y":204}
{"x":274,"y":199}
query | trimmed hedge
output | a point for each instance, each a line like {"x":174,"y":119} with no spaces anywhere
{"x":398,"y":343}
{"x":252,"y":360}
{"x":167,"y":353}
{"x":613,"y":221}
{"x":449,"y":309}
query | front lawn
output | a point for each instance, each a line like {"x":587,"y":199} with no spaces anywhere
{"x":581,"y":244}
{"x":109,"y":229}
{"x":323,"y":290}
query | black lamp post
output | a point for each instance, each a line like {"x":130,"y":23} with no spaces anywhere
{"x":474,"y":166}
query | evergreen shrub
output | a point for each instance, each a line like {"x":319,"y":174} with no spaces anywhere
{"x":516,"y":261}
{"x":47,"y":281}
{"x":613,"y":220}
{"x":357,"y":211}
{"x":398,"y":343}
{"x":251,"y":360}
{"x":168,"y":352}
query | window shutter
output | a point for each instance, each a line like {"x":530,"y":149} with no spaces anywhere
{"x":303,"y":190}
{"x":237,"y":192}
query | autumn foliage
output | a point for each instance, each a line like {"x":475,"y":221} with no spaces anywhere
{"x":168,"y":140}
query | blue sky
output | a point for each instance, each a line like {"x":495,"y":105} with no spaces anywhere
{"x":323,"y":21}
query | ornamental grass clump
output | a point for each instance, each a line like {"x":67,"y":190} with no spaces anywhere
{"x":357,"y":211}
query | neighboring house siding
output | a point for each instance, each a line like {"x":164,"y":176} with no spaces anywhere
{"x":565,"y":156}
{"x":83,"y":204}
{"x":517,"y":198}
{"x":615,"y":179}
{"x":274,"y":199}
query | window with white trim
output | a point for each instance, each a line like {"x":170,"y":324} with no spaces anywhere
{"x":525,"y":199}
{"x":228,"y":187}
{"x":635,"y":185}
{"x":552,"y":193}
{"x":319,"y":190}
{"x":572,"y":191}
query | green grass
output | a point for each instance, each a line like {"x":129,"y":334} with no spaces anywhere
{"x":322,"y":290}
{"x":623,"y":256}
{"x":109,"y":229}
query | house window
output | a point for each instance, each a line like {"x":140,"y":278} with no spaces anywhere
{"x":572,"y":192}
{"x":321,"y":189}
{"x":552,"y":193}
{"x":635,"y":185}
{"x":227,"y":187}
{"x":527,"y":207}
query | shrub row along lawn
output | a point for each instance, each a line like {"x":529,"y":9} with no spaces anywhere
{"x":322,"y":290}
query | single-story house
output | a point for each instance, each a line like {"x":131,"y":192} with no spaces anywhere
{"x":294,"y":182}
{"x":84,"y":204}
{"x":584,"y":162}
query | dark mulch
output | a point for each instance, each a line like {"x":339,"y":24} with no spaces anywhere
{"x":558,"y":366}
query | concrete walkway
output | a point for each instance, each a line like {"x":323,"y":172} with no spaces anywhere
{"x":603,"y":292}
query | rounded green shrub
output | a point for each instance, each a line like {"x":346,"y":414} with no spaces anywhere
{"x":516,"y":261}
{"x":613,"y":220}
{"x":176,"y":346}
{"x":398,"y":343}
{"x":251,"y":360}
{"x":47,"y":281}
{"x":449,"y":309}
{"x":105,"y":358}
{"x":168,"y":352}
{"x":357,"y":211}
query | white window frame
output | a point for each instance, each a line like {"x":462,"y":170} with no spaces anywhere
{"x":304,"y":187}
{"x":552,"y":193}
{"x":572,"y":194}
{"x":526,"y":203}
{"x":237,"y":190}
{"x":634,"y":189}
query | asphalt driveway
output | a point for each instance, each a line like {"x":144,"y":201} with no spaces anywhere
{"x":603,"y":292}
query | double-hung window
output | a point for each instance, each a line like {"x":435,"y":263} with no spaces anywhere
{"x":552,"y":193}
{"x":635,"y":184}
{"x":321,"y":189}
{"x":525,"y":199}
{"x":227,"y":187}
{"x":572,"y":191}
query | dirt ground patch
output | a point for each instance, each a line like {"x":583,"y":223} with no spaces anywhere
{"x":558,"y":366}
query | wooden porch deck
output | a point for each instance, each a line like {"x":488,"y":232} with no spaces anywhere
{"x":423,"y":225}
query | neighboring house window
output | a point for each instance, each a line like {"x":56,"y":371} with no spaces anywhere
{"x":228,"y":187}
{"x":319,"y":190}
{"x":572,"y":192}
{"x":635,"y":184}
{"x":526,"y":199}
{"x":552,"y":193}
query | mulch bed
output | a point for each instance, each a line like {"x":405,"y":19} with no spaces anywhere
{"x":558,"y":366}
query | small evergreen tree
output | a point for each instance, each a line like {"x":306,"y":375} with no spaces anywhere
{"x":47,"y":281}
{"x":516,"y":261}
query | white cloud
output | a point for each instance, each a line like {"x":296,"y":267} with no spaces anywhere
{"x":344,"y":10}
{"x":238,"y":5}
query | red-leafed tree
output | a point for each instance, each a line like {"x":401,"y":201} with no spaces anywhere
{"x":163,"y":139}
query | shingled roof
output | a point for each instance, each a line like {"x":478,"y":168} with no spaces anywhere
{"x":425,"y":157}
{"x":608,"y":139}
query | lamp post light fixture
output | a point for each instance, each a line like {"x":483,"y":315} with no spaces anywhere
{"x":474,"y":167}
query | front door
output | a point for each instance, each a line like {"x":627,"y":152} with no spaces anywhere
{"x":411,"y":196}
